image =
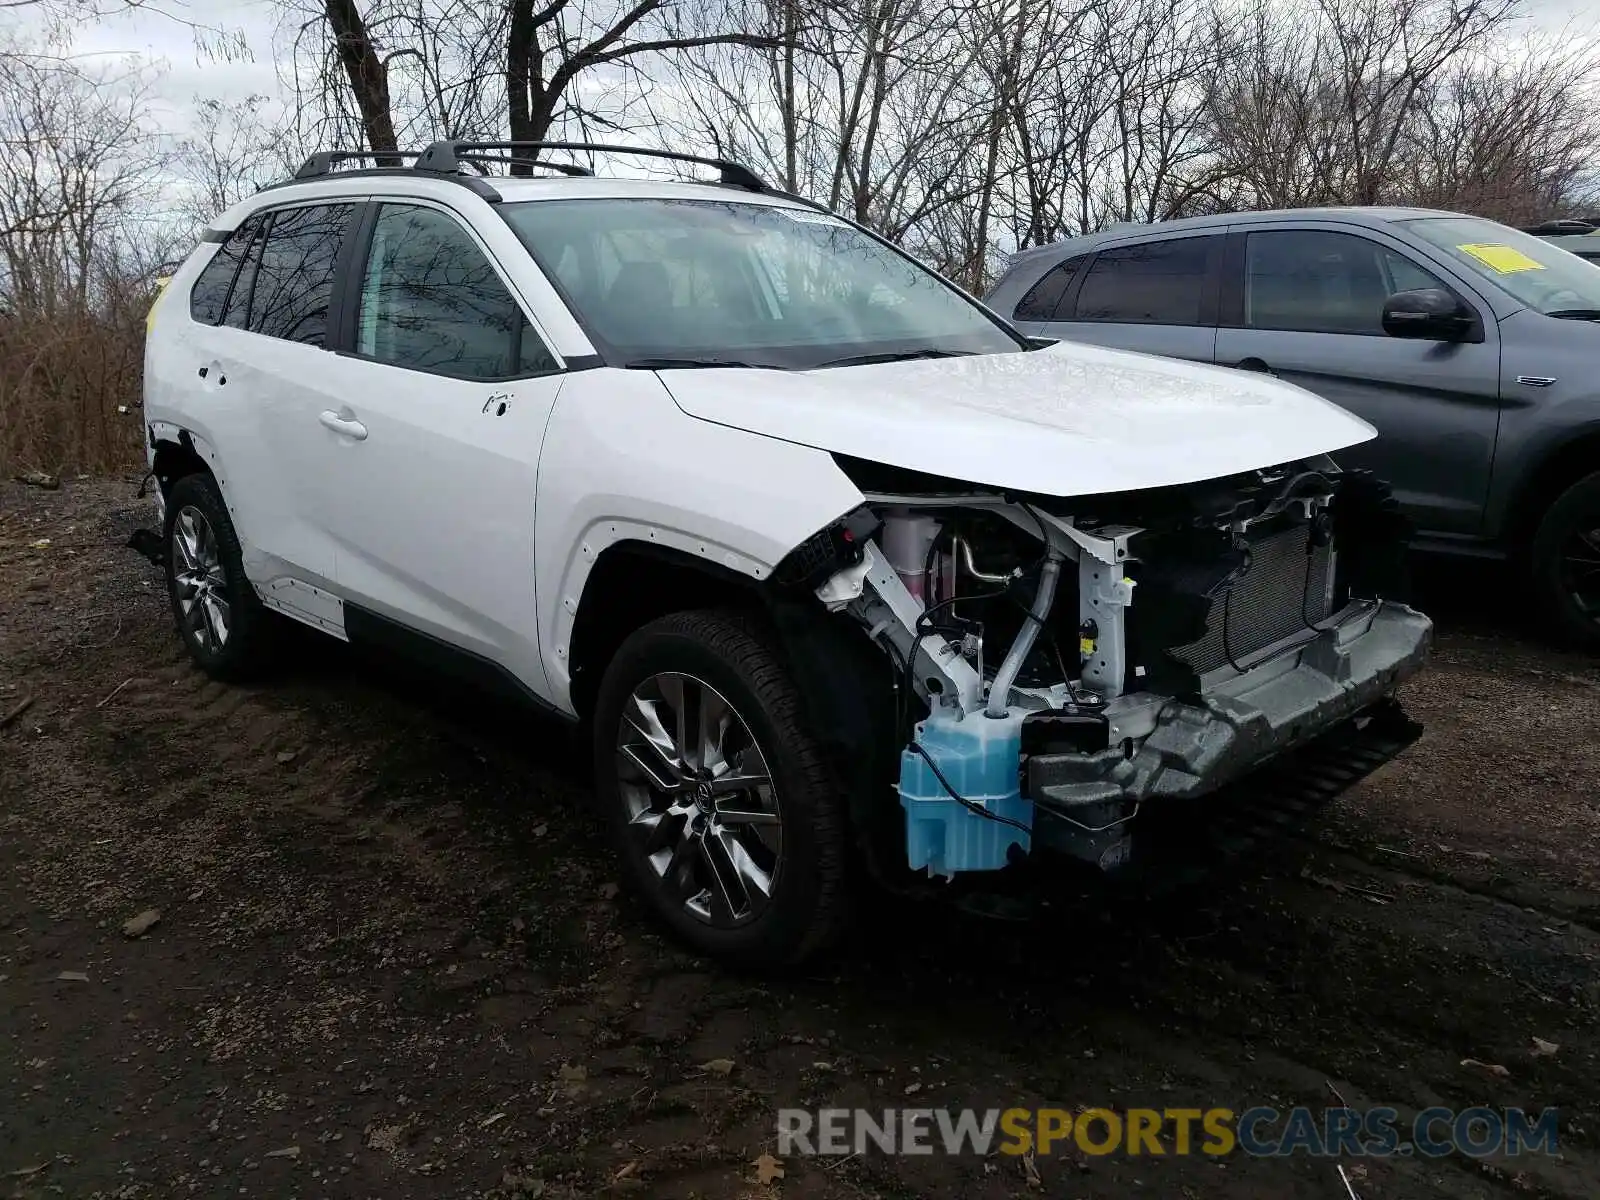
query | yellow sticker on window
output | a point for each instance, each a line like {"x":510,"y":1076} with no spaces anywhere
{"x":1505,"y":260}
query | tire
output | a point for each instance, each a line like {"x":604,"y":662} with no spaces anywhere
{"x":222,"y":622}
{"x":696,"y":851}
{"x":1568,"y":536}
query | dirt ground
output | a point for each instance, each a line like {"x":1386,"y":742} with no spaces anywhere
{"x":391,"y":960}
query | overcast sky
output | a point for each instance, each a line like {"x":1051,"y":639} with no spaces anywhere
{"x":191,"y":75}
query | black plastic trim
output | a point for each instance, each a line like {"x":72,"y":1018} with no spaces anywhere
{"x":366,"y":628}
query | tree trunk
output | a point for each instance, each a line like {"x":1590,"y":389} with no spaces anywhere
{"x":369,"y":78}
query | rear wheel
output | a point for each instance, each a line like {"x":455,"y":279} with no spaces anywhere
{"x":1565,"y":560}
{"x":728,"y":822}
{"x":220,"y":618}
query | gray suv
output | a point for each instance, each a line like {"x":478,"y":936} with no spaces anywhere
{"x":1473,"y":348}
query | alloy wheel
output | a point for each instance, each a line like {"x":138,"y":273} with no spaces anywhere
{"x":201,"y":582}
{"x":700,"y":802}
{"x":1580,"y":568}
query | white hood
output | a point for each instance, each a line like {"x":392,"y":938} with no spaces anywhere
{"x":1069,"y":420}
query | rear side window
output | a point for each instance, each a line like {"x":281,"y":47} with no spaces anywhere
{"x":1153,"y":283}
{"x":431,"y":301}
{"x":208,"y":299}
{"x":294,"y":281}
{"x":1043,"y":299}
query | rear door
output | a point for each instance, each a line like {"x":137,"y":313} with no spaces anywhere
{"x":1157,"y":296}
{"x":425,"y":435}
{"x":261,"y":306}
{"x":1306,"y":304}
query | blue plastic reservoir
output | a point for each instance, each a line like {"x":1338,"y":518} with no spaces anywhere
{"x":981,"y":757}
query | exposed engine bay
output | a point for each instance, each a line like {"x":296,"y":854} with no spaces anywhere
{"x":1060,"y":662}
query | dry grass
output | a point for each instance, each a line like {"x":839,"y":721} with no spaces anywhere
{"x":63,"y":376}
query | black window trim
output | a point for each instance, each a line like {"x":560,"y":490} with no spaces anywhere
{"x":1238,"y":265}
{"x":1207,"y":316}
{"x":352,"y":270}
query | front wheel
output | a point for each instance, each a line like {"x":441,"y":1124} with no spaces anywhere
{"x":729,"y":823}
{"x":1565,"y":561}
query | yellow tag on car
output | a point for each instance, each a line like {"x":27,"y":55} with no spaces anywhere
{"x":1505,"y":260}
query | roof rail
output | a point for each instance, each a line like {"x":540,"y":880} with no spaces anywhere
{"x":323,"y":161}
{"x":446,"y":157}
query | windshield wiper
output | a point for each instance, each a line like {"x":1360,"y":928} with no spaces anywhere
{"x":861,"y":360}
{"x":683,"y":364}
{"x":1576,"y":314}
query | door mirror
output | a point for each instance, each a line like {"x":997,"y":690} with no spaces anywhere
{"x":1429,"y":313}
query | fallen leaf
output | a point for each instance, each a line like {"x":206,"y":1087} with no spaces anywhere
{"x":571,"y":1074}
{"x":491,"y":1119}
{"x":25,"y":1172}
{"x":768,"y":1169}
{"x":1031,"y":1170}
{"x":42,"y":544}
{"x":137,"y":927}
{"x":608,"y":891}
{"x":1544,"y":1049}
{"x":73,"y":977}
{"x":286,"y":1152}
{"x":718,"y":1066}
{"x":1492,"y":1068}
{"x":626,"y":1170}
{"x":913,"y":1088}
{"x":287,"y":756}
{"x":540,"y":830}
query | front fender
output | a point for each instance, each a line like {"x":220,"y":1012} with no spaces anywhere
{"x":621,"y":462}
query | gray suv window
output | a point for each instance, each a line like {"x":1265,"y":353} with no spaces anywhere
{"x":1043,"y":299}
{"x":1152,"y":283}
{"x":1318,"y":281}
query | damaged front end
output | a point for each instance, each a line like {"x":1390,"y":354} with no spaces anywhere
{"x":1061,"y":663}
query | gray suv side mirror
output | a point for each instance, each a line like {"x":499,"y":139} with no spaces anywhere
{"x":1432,"y":314}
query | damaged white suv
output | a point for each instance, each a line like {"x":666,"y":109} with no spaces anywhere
{"x":838,"y":567}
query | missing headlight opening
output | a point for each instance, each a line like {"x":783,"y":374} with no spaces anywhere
{"x":1063,"y":662}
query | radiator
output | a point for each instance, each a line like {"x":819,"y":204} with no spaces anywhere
{"x":1287,"y":587}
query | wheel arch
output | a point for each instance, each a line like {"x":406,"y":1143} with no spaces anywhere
{"x":1543,"y":481}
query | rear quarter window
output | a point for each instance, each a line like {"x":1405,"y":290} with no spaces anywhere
{"x":208,"y":298}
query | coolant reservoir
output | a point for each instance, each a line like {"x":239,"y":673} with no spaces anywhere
{"x":906,"y":538}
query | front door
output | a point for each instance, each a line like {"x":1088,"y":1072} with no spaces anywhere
{"x":430,"y":426}
{"x":1312,"y":314}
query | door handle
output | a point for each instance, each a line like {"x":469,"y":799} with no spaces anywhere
{"x":348,"y":426}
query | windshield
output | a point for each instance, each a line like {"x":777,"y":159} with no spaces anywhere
{"x":1541,"y":275}
{"x":661,"y":282}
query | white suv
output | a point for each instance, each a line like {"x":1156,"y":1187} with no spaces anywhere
{"x":839,"y":569}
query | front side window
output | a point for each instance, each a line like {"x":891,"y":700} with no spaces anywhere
{"x":431,"y":301}
{"x":1320,"y":281}
{"x":294,"y":280}
{"x":208,"y":298}
{"x":659,"y":281}
{"x":1043,"y":300}
{"x":1539,"y":274}
{"x":1153,"y":283}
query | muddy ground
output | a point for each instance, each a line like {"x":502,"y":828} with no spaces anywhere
{"x":391,"y":960}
